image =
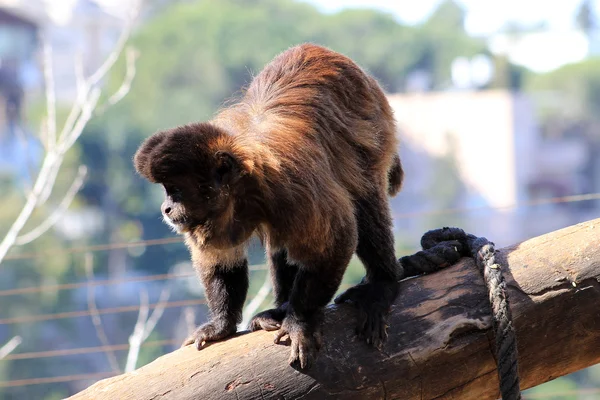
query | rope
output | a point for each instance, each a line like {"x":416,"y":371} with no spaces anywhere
{"x":444,"y":247}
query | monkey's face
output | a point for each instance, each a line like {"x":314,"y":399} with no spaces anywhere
{"x":180,"y":210}
{"x":199,"y":179}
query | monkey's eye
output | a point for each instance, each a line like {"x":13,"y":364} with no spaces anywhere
{"x":173,"y":191}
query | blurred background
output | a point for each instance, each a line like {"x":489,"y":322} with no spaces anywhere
{"x":498,"y":109}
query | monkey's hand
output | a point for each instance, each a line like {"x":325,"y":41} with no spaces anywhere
{"x":305,"y":340}
{"x":373,"y":301}
{"x":269,"y":320}
{"x":214,"y":330}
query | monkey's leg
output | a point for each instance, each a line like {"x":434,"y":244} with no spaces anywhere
{"x":378,"y":289}
{"x":315,"y":284}
{"x":282,"y":275}
{"x":225,"y":288}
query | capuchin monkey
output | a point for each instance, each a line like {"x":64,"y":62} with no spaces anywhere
{"x":306,"y":160}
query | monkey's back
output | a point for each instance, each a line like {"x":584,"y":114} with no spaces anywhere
{"x":318,"y":112}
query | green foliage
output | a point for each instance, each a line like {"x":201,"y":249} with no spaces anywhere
{"x":194,"y":55}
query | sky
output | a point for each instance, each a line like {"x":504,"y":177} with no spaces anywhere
{"x":483,"y":16}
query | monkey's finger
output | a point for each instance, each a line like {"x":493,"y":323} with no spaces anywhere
{"x":198,"y":343}
{"x":267,"y":324}
{"x":280,"y":334}
{"x":303,"y":357}
{"x":270,"y":326}
{"x":294,"y":355}
{"x":264,"y":324}
{"x":254,"y":325}
{"x":188,"y":341}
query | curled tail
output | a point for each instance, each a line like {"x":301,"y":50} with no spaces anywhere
{"x":395,"y":176}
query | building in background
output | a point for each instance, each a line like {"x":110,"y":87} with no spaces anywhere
{"x":18,"y":44}
{"x":499,"y":156}
{"x":77,"y":31}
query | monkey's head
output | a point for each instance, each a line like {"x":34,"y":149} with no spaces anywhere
{"x":202,"y":176}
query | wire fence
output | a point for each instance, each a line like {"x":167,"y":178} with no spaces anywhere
{"x":183,"y":303}
{"x":85,"y":350}
{"x":102,"y":311}
{"x":174,"y":240}
{"x":108,"y":282}
{"x":56,"y":379}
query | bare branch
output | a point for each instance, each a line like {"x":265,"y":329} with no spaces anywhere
{"x":84,"y":117}
{"x":50,"y":96}
{"x":83,"y":92}
{"x":56,"y":148}
{"x":96,"y":319}
{"x":138,"y":329}
{"x":112,"y":57}
{"x":57,"y":213}
{"x":30,"y":203}
{"x":79,"y":75}
{"x":51,"y":178}
{"x":260,"y":297}
{"x":10,"y":346}
{"x":157,"y":313}
{"x":131,"y":56}
{"x":144,"y":325}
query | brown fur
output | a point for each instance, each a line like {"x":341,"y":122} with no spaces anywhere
{"x":305,"y":159}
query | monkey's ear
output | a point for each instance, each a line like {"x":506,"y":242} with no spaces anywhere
{"x":147,"y":153}
{"x":227,"y":168}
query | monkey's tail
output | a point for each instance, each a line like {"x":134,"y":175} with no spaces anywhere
{"x":395,"y":176}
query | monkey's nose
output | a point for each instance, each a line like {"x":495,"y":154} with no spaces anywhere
{"x":166,"y":210}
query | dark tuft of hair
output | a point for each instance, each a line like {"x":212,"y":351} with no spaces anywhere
{"x":173,"y":152}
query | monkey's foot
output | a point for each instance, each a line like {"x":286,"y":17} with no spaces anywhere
{"x":210,"y":332}
{"x":305,"y":338}
{"x":373,"y":301}
{"x":268,"y":320}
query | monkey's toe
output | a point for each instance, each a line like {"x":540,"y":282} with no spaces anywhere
{"x":268,"y":320}
{"x":373,"y":301}
{"x":264,"y":321}
{"x":210,"y":332}
{"x":305,"y":343}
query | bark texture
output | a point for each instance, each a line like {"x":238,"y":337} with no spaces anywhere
{"x":440,"y":345}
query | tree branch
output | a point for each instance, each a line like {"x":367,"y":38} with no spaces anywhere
{"x":57,"y":213}
{"x":131,"y":57}
{"x":10,"y":346}
{"x":95,"y":316}
{"x":50,"y":97}
{"x":144,"y":325}
{"x":439,"y":338}
{"x":56,"y":148}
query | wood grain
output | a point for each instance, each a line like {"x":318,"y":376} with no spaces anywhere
{"x":440,"y":345}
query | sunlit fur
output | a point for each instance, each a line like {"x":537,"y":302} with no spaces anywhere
{"x":305,"y":159}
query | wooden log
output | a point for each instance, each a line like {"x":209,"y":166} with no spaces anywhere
{"x":440,"y":345}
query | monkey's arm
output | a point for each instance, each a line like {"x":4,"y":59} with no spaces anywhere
{"x":226,"y":287}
